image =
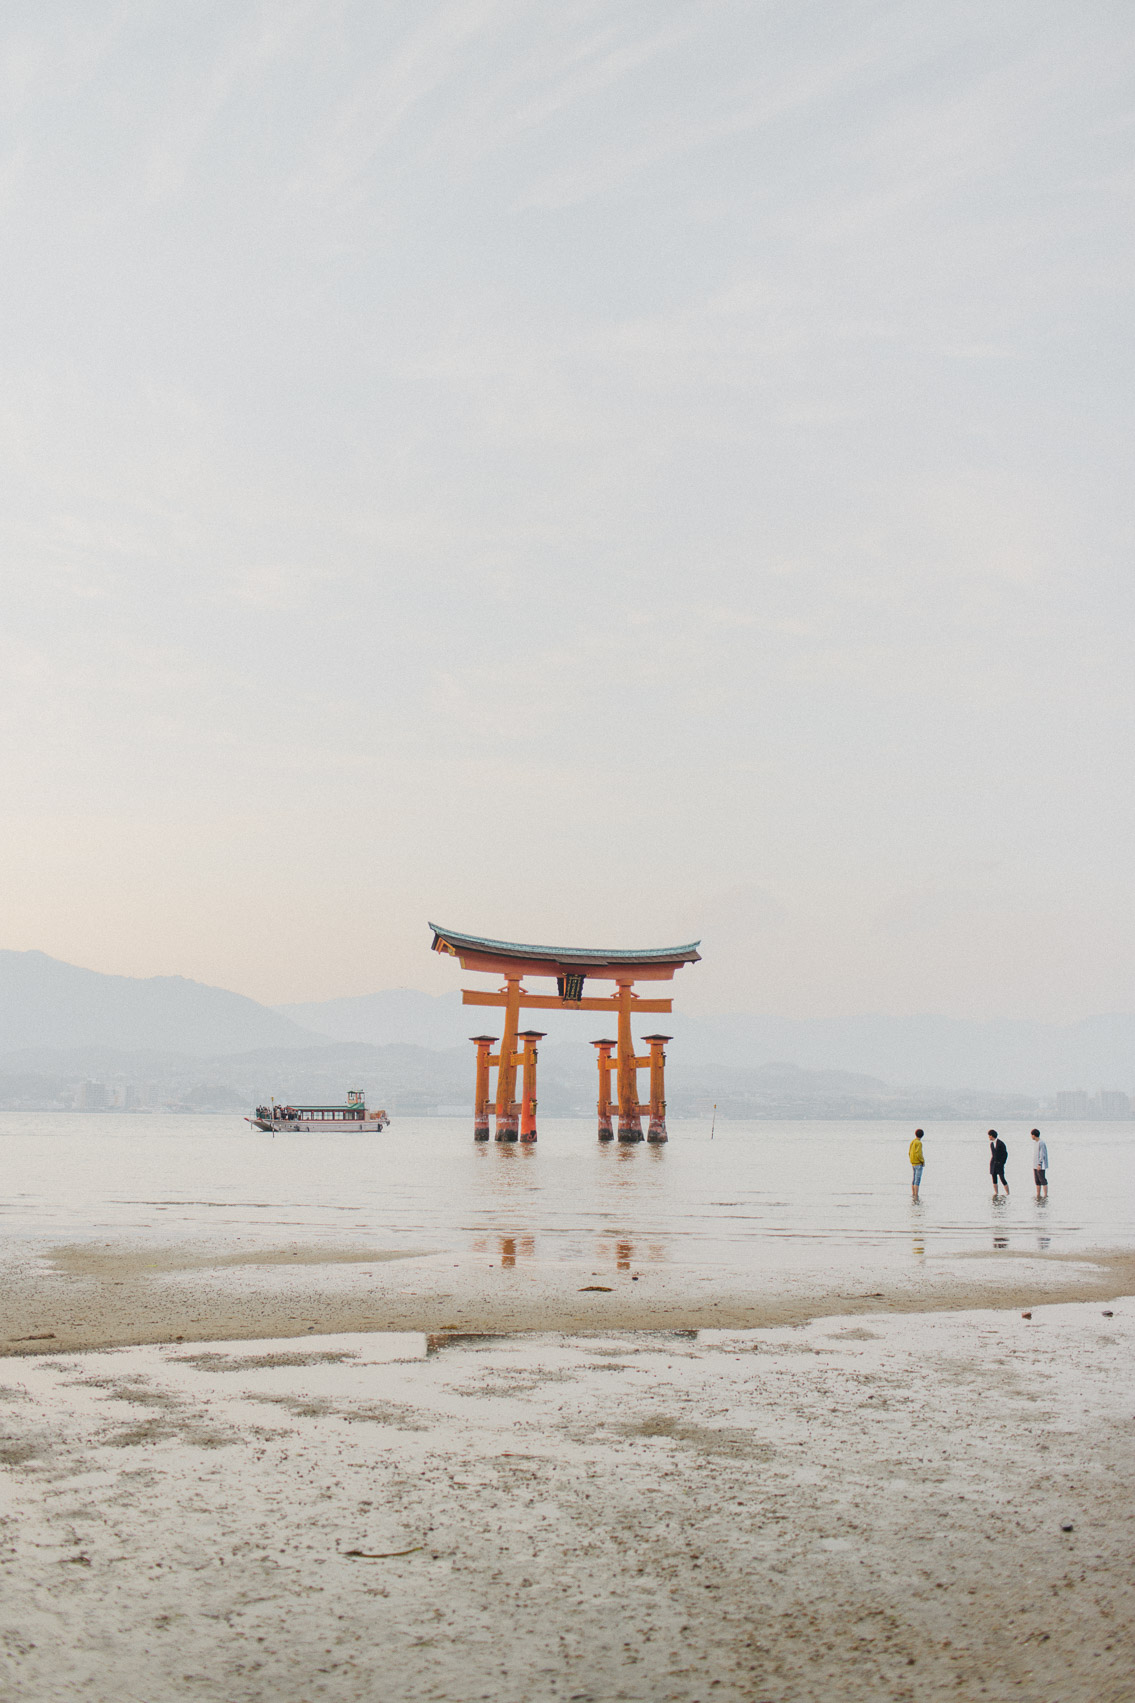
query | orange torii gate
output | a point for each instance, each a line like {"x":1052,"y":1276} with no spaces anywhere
{"x":571,"y":967}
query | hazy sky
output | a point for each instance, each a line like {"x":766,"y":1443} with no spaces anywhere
{"x":606,"y":472}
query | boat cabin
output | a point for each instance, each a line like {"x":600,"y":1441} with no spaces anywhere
{"x":350,"y":1113}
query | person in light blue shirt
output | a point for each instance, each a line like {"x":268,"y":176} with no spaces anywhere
{"x":1040,"y":1166}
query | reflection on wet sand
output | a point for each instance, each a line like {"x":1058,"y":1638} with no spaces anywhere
{"x":625,"y":1252}
{"x":509,"y":1248}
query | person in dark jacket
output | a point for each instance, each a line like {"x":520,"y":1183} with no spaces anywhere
{"x":998,"y":1153}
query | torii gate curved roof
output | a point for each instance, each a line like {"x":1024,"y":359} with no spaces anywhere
{"x":476,"y":952}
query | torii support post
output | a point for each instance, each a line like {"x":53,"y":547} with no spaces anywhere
{"x":528,"y":1094}
{"x":507,"y":1109}
{"x":630,"y":1119}
{"x":656,"y":1130}
{"x":481,"y":1099}
{"x":606,"y":1065}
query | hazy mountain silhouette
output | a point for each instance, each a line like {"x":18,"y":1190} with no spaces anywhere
{"x":47,"y":1003}
{"x":395,"y":1016}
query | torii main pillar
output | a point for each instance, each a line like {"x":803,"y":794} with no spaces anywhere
{"x":571,"y":967}
{"x":630,"y":1118}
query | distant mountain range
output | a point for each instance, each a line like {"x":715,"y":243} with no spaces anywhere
{"x":396,"y":1015}
{"x":51,"y":1008}
{"x":46,"y":1003}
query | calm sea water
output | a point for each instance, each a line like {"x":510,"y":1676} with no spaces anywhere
{"x":769,"y":1194}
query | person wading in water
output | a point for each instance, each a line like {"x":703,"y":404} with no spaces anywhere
{"x":916,"y":1162}
{"x":998,"y":1153}
{"x":1040,"y":1165}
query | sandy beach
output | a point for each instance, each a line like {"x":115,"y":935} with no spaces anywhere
{"x":864,"y":1501}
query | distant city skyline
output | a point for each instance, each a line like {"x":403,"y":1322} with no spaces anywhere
{"x":604,"y":474}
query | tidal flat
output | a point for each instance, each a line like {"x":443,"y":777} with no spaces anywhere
{"x":912,"y":1507}
{"x":723,"y":1420}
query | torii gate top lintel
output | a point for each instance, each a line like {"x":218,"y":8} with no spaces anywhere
{"x":509,"y":959}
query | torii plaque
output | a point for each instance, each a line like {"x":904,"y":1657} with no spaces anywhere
{"x":571,"y":967}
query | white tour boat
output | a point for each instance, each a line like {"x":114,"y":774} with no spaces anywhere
{"x":350,"y":1118}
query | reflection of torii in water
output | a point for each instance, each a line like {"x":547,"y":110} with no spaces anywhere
{"x":570,"y":966}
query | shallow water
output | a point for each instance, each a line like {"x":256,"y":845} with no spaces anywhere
{"x":761,"y":1194}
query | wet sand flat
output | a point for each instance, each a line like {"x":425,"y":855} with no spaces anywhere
{"x":108,"y":1294}
{"x":859,"y":1508}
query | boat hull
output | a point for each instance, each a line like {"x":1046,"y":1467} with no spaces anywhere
{"x":321,"y":1126}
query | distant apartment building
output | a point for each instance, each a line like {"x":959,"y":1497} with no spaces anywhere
{"x":1073,"y":1104}
{"x":1108,"y":1103}
{"x":106,"y":1097}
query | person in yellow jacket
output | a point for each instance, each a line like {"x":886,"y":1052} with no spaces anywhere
{"x":916,"y":1161}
